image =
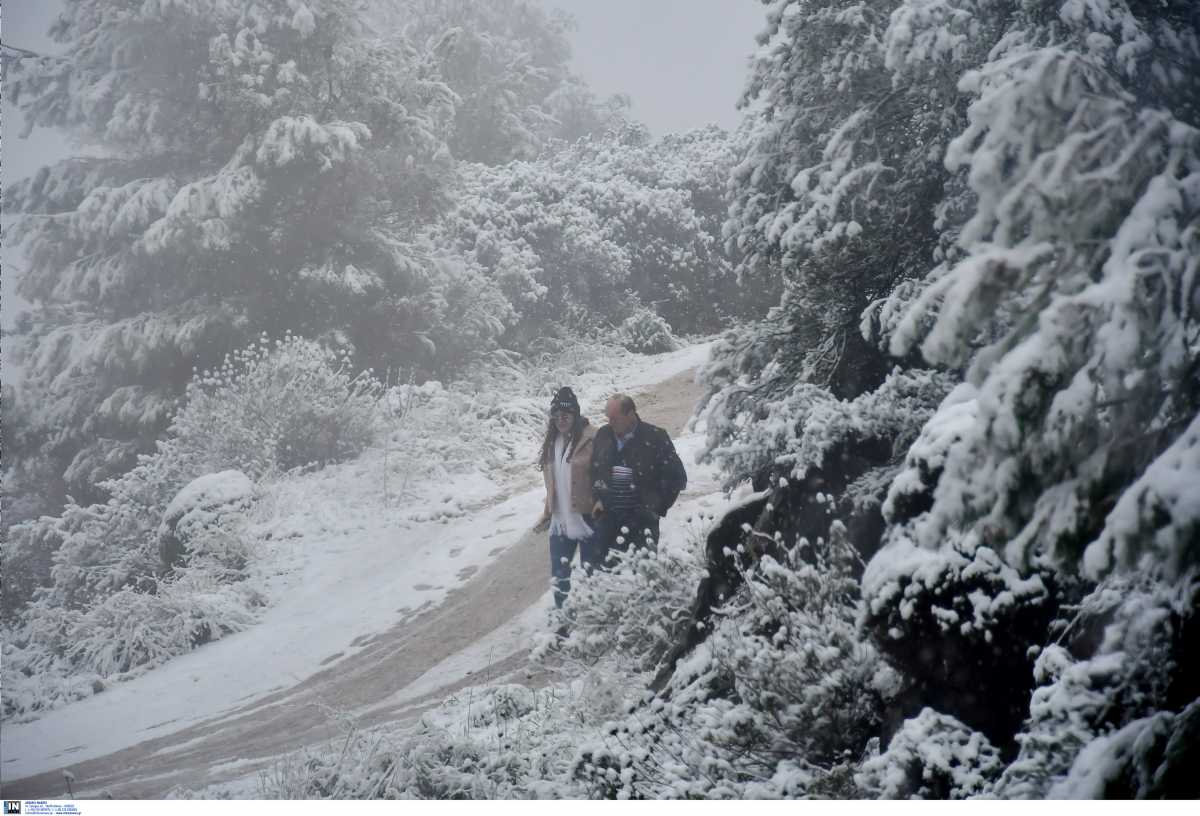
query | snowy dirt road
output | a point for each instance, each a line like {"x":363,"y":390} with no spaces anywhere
{"x":478,"y":633}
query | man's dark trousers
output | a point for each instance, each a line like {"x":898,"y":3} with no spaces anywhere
{"x":620,"y":529}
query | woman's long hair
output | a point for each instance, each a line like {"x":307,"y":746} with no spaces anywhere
{"x":552,"y":432}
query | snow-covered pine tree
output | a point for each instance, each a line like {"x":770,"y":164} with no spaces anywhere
{"x":838,"y":193}
{"x":507,"y":61}
{"x":837,"y":187}
{"x":1068,"y":461}
{"x":1074,"y":303}
{"x":260,"y":167}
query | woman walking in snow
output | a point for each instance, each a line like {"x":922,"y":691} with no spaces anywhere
{"x":565,"y":462}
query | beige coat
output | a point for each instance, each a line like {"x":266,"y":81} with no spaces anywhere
{"x":581,"y":484}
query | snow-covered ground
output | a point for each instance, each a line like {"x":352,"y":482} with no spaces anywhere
{"x":343,"y":565}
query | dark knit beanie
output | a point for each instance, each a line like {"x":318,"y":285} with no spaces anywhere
{"x":565,"y":400}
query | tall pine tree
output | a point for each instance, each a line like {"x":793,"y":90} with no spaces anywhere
{"x":262,"y":165}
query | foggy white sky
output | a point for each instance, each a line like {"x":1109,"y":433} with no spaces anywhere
{"x":682,"y":61}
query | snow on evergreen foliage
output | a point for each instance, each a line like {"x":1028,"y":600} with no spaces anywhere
{"x":1008,"y":194}
{"x":1147,"y":759}
{"x":754,"y":435}
{"x":507,"y":62}
{"x":569,"y":236}
{"x":1110,"y":357}
{"x":932,"y":756}
{"x":244,"y":144}
{"x":835,"y":187}
{"x":780,"y":700}
{"x":1124,"y":662}
{"x":1073,"y":310}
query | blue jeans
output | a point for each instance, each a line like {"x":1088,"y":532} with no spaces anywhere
{"x":562,"y":552}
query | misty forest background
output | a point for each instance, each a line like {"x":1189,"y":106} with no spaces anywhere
{"x":953,"y":256}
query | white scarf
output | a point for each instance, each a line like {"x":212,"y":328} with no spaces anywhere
{"x":564,"y":520}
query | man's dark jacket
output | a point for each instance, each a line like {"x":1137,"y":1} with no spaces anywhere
{"x":657,"y":470}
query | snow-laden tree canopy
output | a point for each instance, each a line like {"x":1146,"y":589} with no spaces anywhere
{"x":585,"y":233}
{"x":249,"y":152}
{"x":1001,"y":201}
{"x":1074,"y":306}
{"x":508,"y":62}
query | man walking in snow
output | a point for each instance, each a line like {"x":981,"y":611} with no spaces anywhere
{"x":637,"y":476}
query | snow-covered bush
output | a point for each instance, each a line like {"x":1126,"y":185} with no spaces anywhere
{"x":792,"y":433}
{"x":275,"y":405}
{"x":1122,"y":661}
{"x":61,"y":655}
{"x":644,"y":332}
{"x":35,"y":680}
{"x":493,"y":414}
{"x":781,"y":699}
{"x":500,"y":742}
{"x":431,"y":765}
{"x":109,"y":609}
{"x":634,"y":612}
{"x":195,"y":523}
{"x":271,"y":406}
{"x":134,"y":628}
{"x":1151,"y":758}
{"x":932,"y":756}
{"x":963,"y":625}
{"x":487,"y":420}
